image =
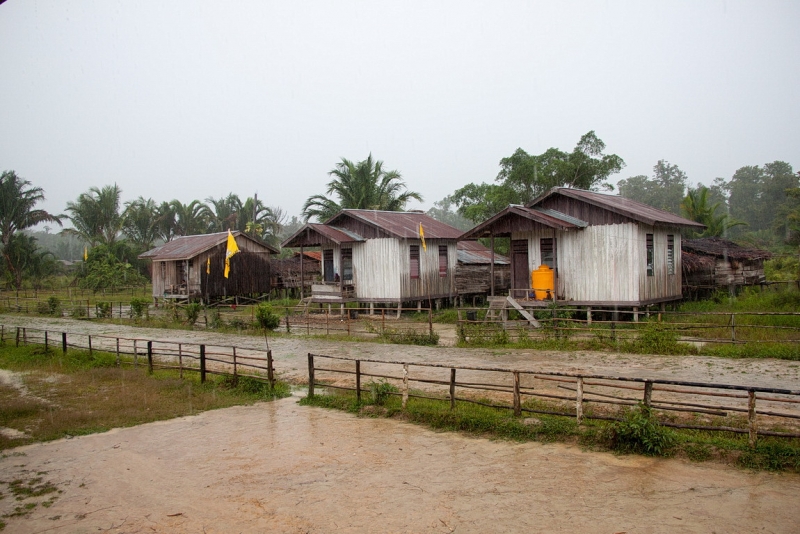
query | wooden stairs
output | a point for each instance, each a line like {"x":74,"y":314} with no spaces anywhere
{"x":498,"y":307}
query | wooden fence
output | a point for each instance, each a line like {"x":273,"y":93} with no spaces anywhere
{"x":510,"y":389}
{"x":184,"y":357}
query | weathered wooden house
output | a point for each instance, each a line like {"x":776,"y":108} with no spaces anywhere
{"x":377,"y":257}
{"x":713,"y":263}
{"x":286,"y":272}
{"x":590,"y":249}
{"x":474,"y":271}
{"x":191,"y":267}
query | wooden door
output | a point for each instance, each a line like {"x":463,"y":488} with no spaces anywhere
{"x":520,"y":275}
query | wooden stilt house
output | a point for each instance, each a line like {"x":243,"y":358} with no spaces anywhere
{"x":371,"y":256}
{"x":191,"y":267}
{"x":713,"y":263}
{"x":590,"y":249}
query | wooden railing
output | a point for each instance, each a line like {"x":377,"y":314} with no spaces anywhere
{"x":511,"y":388}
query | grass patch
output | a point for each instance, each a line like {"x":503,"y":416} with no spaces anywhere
{"x":77,"y":394}
{"x":637,"y":431}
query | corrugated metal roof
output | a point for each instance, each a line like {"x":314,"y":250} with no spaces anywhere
{"x":624,"y":206}
{"x":189,"y":246}
{"x":550,"y":218}
{"x":473,"y":252}
{"x":562,"y":216}
{"x":402,"y":224}
{"x":311,"y":234}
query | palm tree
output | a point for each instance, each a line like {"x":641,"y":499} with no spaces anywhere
{"x":695,"y":207}
{"x":191,"y":218}
{"x":139,"y":222}
{"x":225,"y":213}
{"x":361,"y":185}
{"x":95,"y":215}
{"x":17,"y":202}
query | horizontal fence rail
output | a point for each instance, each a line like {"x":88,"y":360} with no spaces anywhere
{"x":184,"y":357}
{"x":705,"y":406}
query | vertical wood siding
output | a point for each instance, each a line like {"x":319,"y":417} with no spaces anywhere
{"x":660,"y":285}
{"x":377,"y":267}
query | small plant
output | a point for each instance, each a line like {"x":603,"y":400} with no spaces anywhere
{"x":266,"y":318}
{"x":380,"y":391}
{"x":214,"y":319}
{"x":657,"y":338}
{"x":639,"y":432}
{"x":54,"y":305}
{"x":42,"y":308}
{"x":78,"y":312}
{"x":192,"y":311}
{"x":139,"y":307}
{"x":103,"y":310}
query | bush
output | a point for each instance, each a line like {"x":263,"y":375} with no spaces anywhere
{"x":139,"y":307}
{"x":266,"y":318}
{"x":192,"y":311}
{"x":54,"y":305}
{"x":657,"y":338}
{"x":380,"y":391}
{"x":78,"y":312}
{"x":103,"y":310}
{"x":639,"y":432}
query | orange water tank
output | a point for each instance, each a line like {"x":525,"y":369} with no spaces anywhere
{"x":542,"y":282}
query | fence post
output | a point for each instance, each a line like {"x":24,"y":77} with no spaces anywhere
{"x":180,"y":360}
{"x":25,"y":336}
{"x":405,"y":385}
{"x":327,"y":317}
{"x":270,"y":370}
{"x":202,"y":363}
{"x":733,"y":327}
{"x":150,"y":357}
{"x":45,"y":341}
{"x":579,"y":400}
{"x":2,"y":333}
{"x":90,"y":345}
{"x":648,"y":393}
{"x":235,"y":377}
{"x":310,"y":375}
{"x":358,"y":380}
{"x":452,"y":388}
{"x":64,"y":342}
{"x":430,"y":320}
{"x":118,"y":360}
{"x":751,"y":418}
{"x":135,"y":355}
{"x":517,"y":399}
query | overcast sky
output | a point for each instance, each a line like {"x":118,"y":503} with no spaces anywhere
{"x":196,"y":99}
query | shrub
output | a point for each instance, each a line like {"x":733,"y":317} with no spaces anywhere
{"x":639,"y":432}
{"x":78,"y":312}
{"x":192,"y":311}
{"x":54,"y":305}
{"x":214,"y":319}
{"x":139,"y":307}
{"x":380,"y":391}
{"x":103,"y":310}
{"x":266,"y":318}
{"x":657,"y":338}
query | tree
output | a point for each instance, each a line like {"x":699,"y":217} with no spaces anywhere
{"x":18,"y":200}
{"x":139,"y":222}
{"x":443,"y":211}
{"x":25,"y":260}
{"x":361,"y":185}
{"x":757,"y":194}
{"x":225,"y":213}
{"x":695,"y":206}
{"x":104,"y":270}
{"x":95,"y":215}
{"x":664,"y":191}
{"x":523,"y":177}
{"x":190,"y":219}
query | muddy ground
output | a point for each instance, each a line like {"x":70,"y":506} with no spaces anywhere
{"x":280,"y":467}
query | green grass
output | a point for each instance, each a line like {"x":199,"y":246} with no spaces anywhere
{"x":79,"y":393}
{"x":636,"y":432}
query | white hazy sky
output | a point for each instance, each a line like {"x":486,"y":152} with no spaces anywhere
{"x":195,"y":99}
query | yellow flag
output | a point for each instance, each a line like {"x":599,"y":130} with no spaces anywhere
{"x":85,"y":253}
{"x":208,"y":265}
{"x":422,"y":237}
{"x":232,"y":249}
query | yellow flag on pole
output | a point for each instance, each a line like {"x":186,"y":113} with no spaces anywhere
{"x":85,"y":253}
{"x":422,"y":237}
{"x":208,"y":265}
{"x":232,"y":249}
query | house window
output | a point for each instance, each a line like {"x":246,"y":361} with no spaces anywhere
{"x":442,"y":260}
{"x":670,"y":254}
{"x":650,"y":254}
{"x":546,"y":250}
{"x":347,"y":264}
{"x":414,"y":261}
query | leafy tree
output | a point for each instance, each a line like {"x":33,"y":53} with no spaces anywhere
{"x":95,"y":215}
{"x":664,"y":191}
{"x":523,"y":177}
{"x":225,"y":213}
{"x":361,"y":185}
{"x":695,"y":206}
{"x":443,"y":211}
{"x":757,"y":194}
{"x":104,"y":270}
{"x":139,"y":222}
{"x":25,"y":260}
{"x":190,"y":219}
{"x":18,"y":200}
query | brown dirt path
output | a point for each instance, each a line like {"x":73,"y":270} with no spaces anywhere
{"x":279,"y":467}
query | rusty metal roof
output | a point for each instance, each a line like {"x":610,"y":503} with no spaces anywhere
{"x":313,"y":234}
{"x":189,"y":246}
{"x":473,"y":252}
{"x":623,"y":206}
{"x":401,"y":224}
{"x":549,"y":218}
